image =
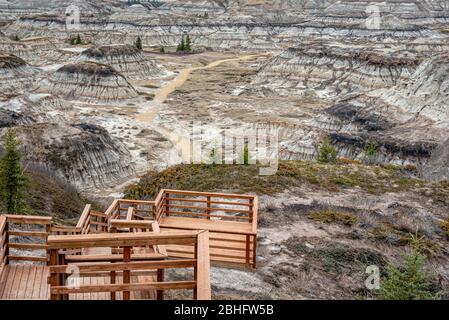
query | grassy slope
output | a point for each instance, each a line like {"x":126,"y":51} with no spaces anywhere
{"x":49,"y":197}
{"x":245,"y":179}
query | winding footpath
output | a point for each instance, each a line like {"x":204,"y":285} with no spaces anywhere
{"x":182,"y":144}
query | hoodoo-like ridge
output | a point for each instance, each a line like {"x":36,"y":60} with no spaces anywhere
{"x":336,"y":69}
{"x":91,"y":82}
{"x":83,"y":154}
{"x":15,"y":73}
{"x":126,"y":59}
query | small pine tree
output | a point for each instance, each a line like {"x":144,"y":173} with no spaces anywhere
{"x":16,"y":38}
{"x":188,"y":44}
{"x":327,"y":153}
{"x":139,"y":43}
{"x":181,"y":46}
{"x":371,"y":152}
{"x":162,"y":50}
{"x":12,"y":179}
{"x":206,"y":15}
{"x":78,"y":39}
{"x":410,"y":281}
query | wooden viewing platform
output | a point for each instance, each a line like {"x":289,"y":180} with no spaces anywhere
{"x":124,"y":252}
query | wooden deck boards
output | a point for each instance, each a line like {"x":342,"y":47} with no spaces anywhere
{"x":204,"y":224}
{"x":29,"y":282}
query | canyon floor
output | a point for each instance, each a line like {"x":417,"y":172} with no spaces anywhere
{"x":110,"y":109}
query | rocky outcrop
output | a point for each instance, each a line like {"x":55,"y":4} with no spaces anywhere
{"x":9,"y":118}
{"x":83,"y":154}
{"x":427,"y":93}
{"x":41,"y":107}
{"x":437,"y":168}
{"x":335,"y":70}
{"x":126,"y":59}
{"x":399,"y":136}
{"x":15,"y":74}
{"x":91,"y":82}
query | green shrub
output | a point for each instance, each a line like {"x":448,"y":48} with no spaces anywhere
{"x":371,"y":152}
{"x":410,"y":281}
{"x":327,"y":153}
{"x":139,"y":43}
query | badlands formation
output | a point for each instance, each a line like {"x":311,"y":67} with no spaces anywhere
{"x":100,"y":113}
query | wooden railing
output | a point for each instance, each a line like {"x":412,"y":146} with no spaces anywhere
{"x":92,"y":221}
{"x":129,"y":263}
{"x":206,"y":205}
{"x":119,"y":209}
{"x":16,"y":227}
{"x":231,"y":220}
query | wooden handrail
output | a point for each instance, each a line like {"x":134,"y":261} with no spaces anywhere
{"x":21,"y":219}
{"x":130,"y":266}
{"x":39,"y":221}
{"x":213,"y":194}
{"x":121,"y":239}
{"x":128,"y":261}
{"x":135,"y":224}
{"x":169,"y":199}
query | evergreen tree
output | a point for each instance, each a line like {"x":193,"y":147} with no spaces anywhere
{"x":181,"y":46}
{"x":327,"y":153}
{"x":139,"y":43}
{"x":162,"y":50}
{"x":188,"y":44}
{"x":410,"y":281}
{"x":78,"y":39}
{"x":12,"y":179}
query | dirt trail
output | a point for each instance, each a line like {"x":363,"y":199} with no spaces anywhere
{"x":183,"y":144}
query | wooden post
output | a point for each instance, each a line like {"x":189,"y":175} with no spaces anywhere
{"x":195,"y":270}
{"x":113,"y":276}
{"x":53,"y":279}
{"x":208,"y":207}
{"x":6,"y":242}
{"x":160,"y":278}
{"x":48,"y":230}
{"x":251,"y":208}
{"x":254,"y":251}
{"x":248,"y":250}
{"x":203,"y":290}
{"x":126,"y":273}
{"x":167,"y":204}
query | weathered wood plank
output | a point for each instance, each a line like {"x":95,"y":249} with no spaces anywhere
{"x":27,"y":258}
{"x":21,"y":219}
{"x":169,"y":285}
{"x":121,"y":266}
{"x":203,"y":289}
{"x":121,"y":240}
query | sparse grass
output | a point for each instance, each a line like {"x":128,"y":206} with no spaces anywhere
{"x":335,"y":257}
{"x":393,"y":234}
{"x":49,"y":196}
{"x":331,"y":216}
{"x":445,"y":227}
{"x":290,"y":174}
